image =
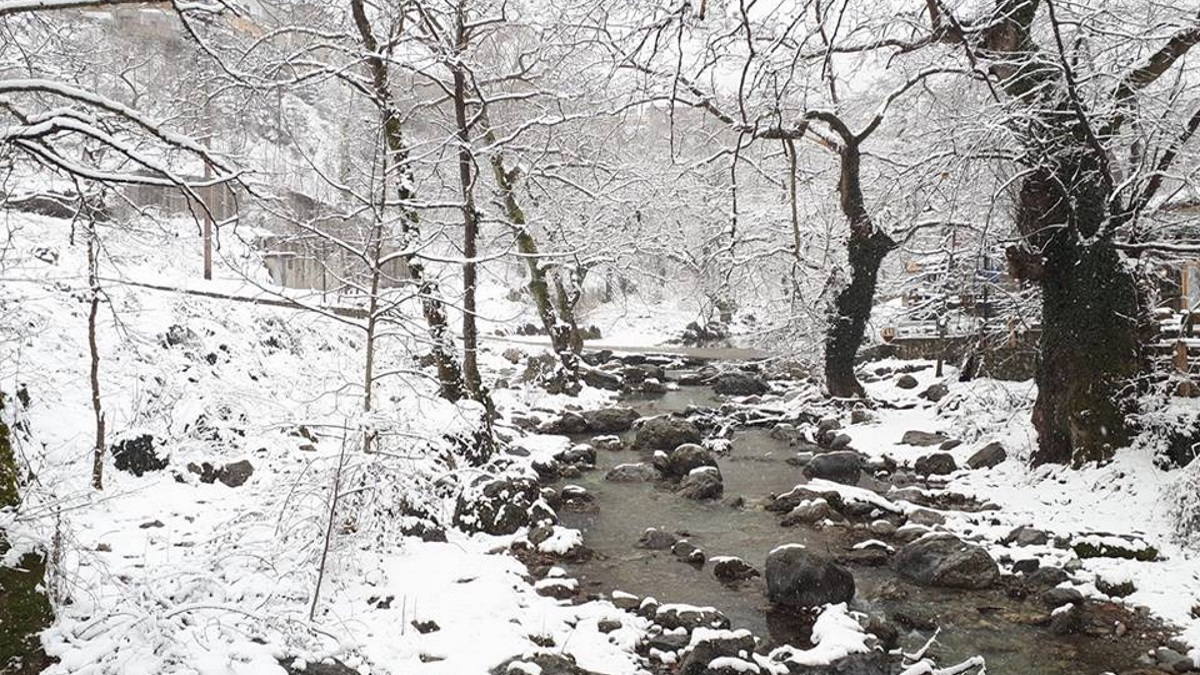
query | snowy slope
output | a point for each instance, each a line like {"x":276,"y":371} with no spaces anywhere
{"x":166,"y":574}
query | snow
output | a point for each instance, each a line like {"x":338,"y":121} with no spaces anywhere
{"x":168,"y":574}
{"x":835,"y":634}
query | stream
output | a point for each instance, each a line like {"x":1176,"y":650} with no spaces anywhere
{"x":987,"y":622}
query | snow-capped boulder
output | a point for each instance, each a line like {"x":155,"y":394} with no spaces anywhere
{"x":737,"y":383}
{"x":842,"y":466}
{"x":667,"y":433}
{"x":947,"y":561}
{"x":684,"y":459}
{"x":936,"y":464}
{"x":729,"y":569}
{"x":610,"y":420}
{"x":639,"y":472}
{"x":702,"y":483}
{"x":798,"y":578}
{"x":501,"y":506}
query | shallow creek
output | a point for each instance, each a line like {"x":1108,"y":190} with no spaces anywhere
{"x":987,"y":623}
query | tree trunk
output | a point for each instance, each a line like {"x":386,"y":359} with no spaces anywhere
{"x":850,"y":312}
{"x":470,"y":332}
{"x":1091,"y":347}
{"x":98,"y":446}
{"x":560,"y":331}
{"x":866,"y":249}
{"x":396,"y":165}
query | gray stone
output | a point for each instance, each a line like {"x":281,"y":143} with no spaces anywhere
{"x":1026,"y":566}
{"x":689,"y":618}
{"x":808,"y":513}
{"x":842,"y":466}
{"x":1026,"y":536}
{"x":688,"y":552}
{"x":936,"y":464}
{"x":729,"y":570}
{"x":923,"y":438}
{"x":792,"y":498}
{"x":656,"y":540}
{"x":949,"y":445}
{"x":579,"y":454}
{"x":935,"y":392}
{"x":544,"y":662}
{"x":1067,"y":621}
{"x":737,"y":383}
{"x":236,"y":474}
{"x":798,"y":578}
{"x":633,"y":473}
{"x":1057,"y":597}
{"x":946,"y":561}
{"x":926,"y":517}
{"x":988,"y":456}
{"x":667,"y":433}
{"x":608,"y":443}
{"x":683,"y":459}
{"x":702,"y":483}
{"x":600,"y":379}
{"x":610,"y":420}
{"x":1047,"y":576}
{"x":906,"y":382}
{"x":500,"y":506}
{"x":840,"y":442}
{"x":566,"y":424}
{"x":729,"y":644}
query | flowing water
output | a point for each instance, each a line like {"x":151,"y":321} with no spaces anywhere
{"x":988,"y":623}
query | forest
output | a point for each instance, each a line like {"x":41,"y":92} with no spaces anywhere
{"x":599,"y":337}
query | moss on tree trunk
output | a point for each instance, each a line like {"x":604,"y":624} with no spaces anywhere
{"x":24,"y":609}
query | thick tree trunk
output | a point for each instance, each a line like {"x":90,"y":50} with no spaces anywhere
{"x":1091,"y":346}
{"x":850,"y":312}
{"x":1090,"y":352}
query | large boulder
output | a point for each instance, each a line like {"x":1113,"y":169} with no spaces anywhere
{"x":843,"y":466}
{"x":737,"y":383}
{"x":923,"y":438}
{"x":633,"y":473}
{"x":702,"y":483}
{"x":666,"y":433}
{"x":682,"y":460}
{"x":945,"y":560}
{"x":988,"y":456}
{"x":501,"y":506}
{"x":600,"y":379}
{"x":935,"y":464}
{"x":798,"y":578}
{"x":610,"y":420}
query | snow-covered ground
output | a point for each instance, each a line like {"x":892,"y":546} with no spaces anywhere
{"x":1129,"y":496}
{"x":163,"y":573}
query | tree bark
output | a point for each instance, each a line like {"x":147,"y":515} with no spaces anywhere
{"x":1091,"y":347}
{"x":866,"y":250}
{"x":850,"y":312}
{"x":557,"y":328}
{"x":470,"y":331}
{"x":450,"y":377}
{"x":98,"y":445}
